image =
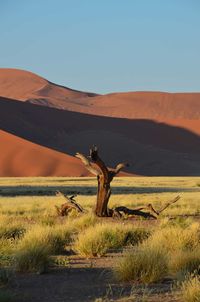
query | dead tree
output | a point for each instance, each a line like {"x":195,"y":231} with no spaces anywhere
{"x":145,"y":212}
{"x":104,"y":177}
{"x":68,"y":206}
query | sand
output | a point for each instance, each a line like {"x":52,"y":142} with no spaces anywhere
{"x":156,"y":132}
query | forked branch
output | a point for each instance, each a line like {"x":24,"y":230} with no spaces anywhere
{"x":99,"y":162}
{"x":87,"y":164}
{"x":69,"y":204}
{"x":118,"y":168}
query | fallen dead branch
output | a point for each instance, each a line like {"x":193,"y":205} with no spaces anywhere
{"x":69,"y":205}
{"x":145,"y":212}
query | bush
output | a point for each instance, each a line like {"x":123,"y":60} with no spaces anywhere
{"x":54,"y":237}
{"x":176,"y":238}
{"x":6,"y":252}
{"x":38,"y":245}
{"x":98,"y":240}
{"x":84,"y":222}
{"x":144,"y":264}
{"x":184,"y":262}
{"x":190,"y":289}
{"x":13,"y":231}
{"x":32,"y":256}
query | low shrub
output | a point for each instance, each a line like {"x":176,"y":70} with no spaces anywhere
{"x":176,"y":238}
{"x":99,"y":239}
{"x":32,"y":256}
{"x":185,"y":262}
{"x":190,"y":289}
{"x":6,"y":252}
{"x":144,"y":264}
{"x":54,"y":237}
{"x":39,"y":243}
{"x":13,"y":231}
{"x":84,"y":222}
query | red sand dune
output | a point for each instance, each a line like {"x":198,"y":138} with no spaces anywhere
{"x":20,"y":157}
{"x":148,"y":105}
{"x":157,"y":132}
{"x":27,"y":86}
{"x":150,"y":147}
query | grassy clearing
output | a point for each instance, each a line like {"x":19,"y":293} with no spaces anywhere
{"x":33,"y":238}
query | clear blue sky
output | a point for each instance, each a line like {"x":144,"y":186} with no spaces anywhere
{"x":104,"y":45}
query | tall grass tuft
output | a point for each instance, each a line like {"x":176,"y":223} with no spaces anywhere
{"x":33,"y":256}
{"x":144,"y":264}
{"x":190,"y":289}
{"x":99,"y":239}
{"x":6,"y":252}
{"x":83,"y":222}
{"x":39,"y":243}
{"x":175,"y":238}
{"x":12,"y":231}
{"x":185,"y":262}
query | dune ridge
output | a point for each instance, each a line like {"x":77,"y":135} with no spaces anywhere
{"x":20,"y":157}
{"x":28,"y":87}
{"x":157,"y":133}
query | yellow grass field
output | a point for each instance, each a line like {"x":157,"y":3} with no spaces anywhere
{"x":153,"y":260}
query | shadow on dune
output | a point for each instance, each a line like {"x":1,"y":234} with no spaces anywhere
{"x":151,"y":148}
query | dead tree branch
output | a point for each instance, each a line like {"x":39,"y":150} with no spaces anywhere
{"x":146,"y":211}
{"x":69,"y":204}
{"x":87,"y":164}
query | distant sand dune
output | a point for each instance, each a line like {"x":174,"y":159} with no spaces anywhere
{"x":19,"y":157}
{"x":27,"y":86}
{"x":157,"y":133}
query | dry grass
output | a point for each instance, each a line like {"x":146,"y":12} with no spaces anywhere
{"x":31,"y":233}
{"x":184,"y":262}
{"x":144,"y":264}
{"x":190,"y":289}
{"x":32,"y":256}
{"x":173,"y":249}
{"x":101,"y":238}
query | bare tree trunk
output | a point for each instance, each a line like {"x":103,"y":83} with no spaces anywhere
{"x":104,"y":178}
{"x":103,"y":195}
